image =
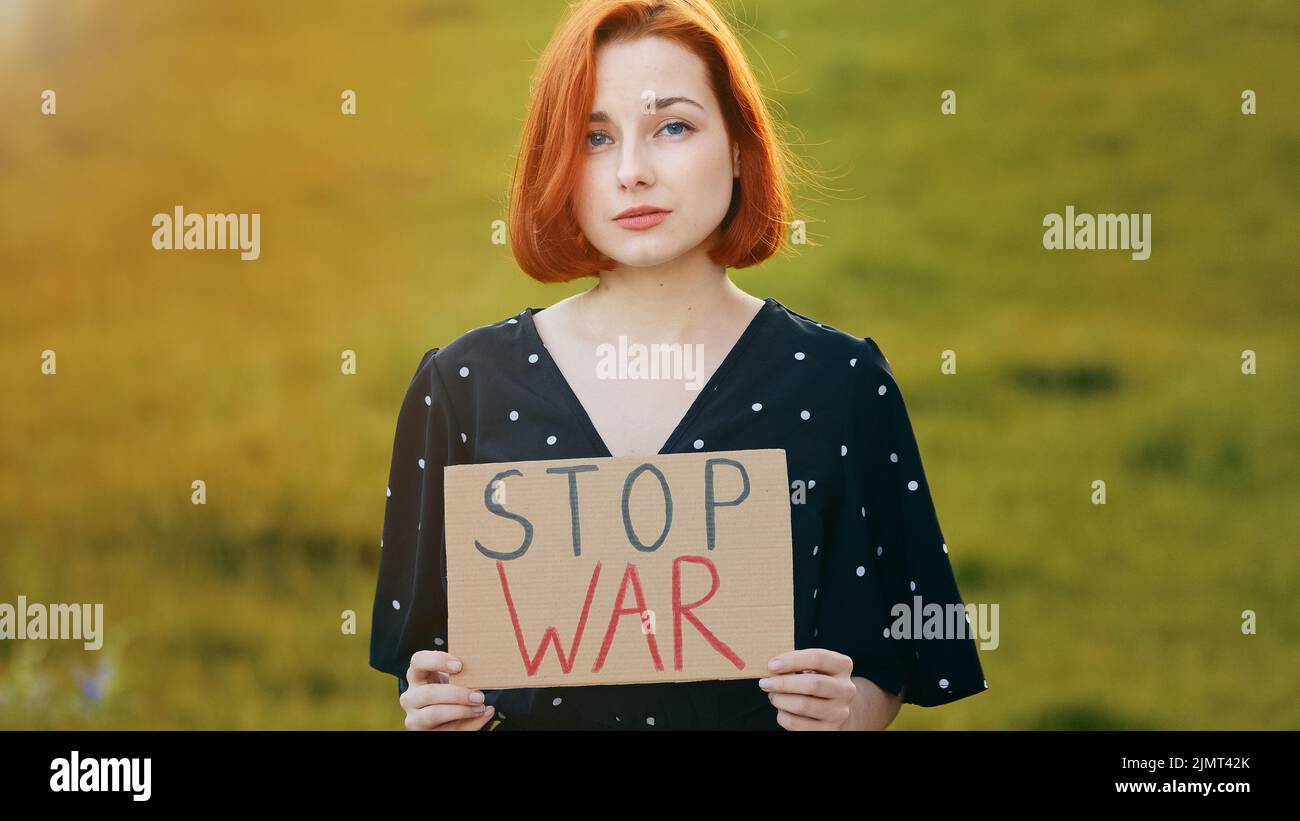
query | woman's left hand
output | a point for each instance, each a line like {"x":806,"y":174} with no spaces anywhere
{"x":812,"y":689}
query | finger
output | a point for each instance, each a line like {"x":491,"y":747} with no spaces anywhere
{"x":816,"y":684}
{"x":436,"y":715}
{"x":472,"y":723}
{"x":422,"y":695}
{"x":427,"y":664}
{"x":820,"y":659}
{"x":818,"y":709}
{"x":790,"y":721}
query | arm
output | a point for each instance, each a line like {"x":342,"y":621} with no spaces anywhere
{"x":872,"y":707}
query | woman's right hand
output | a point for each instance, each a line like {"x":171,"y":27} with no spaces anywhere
{"x":431,"y":703}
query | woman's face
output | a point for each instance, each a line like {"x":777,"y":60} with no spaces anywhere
{"x":656,"y":138}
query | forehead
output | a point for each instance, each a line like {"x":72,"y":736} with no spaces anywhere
{"x":624,"y":70}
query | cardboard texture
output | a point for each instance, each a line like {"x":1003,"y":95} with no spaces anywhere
{"x":619,"y":570}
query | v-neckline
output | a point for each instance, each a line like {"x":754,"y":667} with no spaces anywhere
{"x":580,"y":412}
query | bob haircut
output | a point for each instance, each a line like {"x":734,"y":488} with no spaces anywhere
{"x":544,"y":235}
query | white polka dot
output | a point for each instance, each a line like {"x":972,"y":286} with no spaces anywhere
{"x":805,"y":415}
{"x":881,"y":390}
{"x":514,"y":415}
{"x":396,"y":605}
{"x":390,"y":491}
{"x":945,"y":547}
{"x":438,"y":640}
{"x":853,"y":363}
{"x":464,"y":371}
{"x":550,"y":440}
{"x":758,"y":406}
{"x":844,"y":450}
{"x":812,"y":483}
{"x":650,"y":720}
{"x":815,"y":549}
{"x":912,"y":485}
{"x":799,"y":355}
{"x":428,"y":400}
{"x":880,"y":549}
{"x":532,"y":359}
{"x":862,"y":571}
{"x":943,"y":682}
{"x":463,"y":438}
{"x":699,"y":443}
{"x":912,"y":585}
{"x":421,"y":464}
{"x":893,"y":457}
{"x":864,"y":513}
{"x":556,"y":701}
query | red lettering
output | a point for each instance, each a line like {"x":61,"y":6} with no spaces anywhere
{"x":629,"y":575}
{"x":680,"y":610}
{"x":566,"y":664}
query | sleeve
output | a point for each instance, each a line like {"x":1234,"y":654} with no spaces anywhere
{"x":410,"y":607}
{"x":916,"y":631}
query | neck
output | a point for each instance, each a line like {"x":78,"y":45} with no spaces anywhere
{"x":678,"y":299}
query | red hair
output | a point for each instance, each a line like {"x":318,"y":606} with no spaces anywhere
{"x":544,"y":235}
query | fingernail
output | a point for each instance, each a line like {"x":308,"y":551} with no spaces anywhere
{"x":765,"y":683}
{"x":480,"y":708}
{"x":453,"y":666}
{"x":476,"y":696}
{"x":774,"y":664}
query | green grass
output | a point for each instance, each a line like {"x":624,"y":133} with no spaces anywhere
{"x":1072,"y":367}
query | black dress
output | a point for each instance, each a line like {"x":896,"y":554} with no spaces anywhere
{"x":864,"y":529}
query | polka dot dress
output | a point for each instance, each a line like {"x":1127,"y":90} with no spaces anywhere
{"x":869,"y":556}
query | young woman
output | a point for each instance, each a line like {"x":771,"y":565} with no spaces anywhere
{"x":650,"y":162}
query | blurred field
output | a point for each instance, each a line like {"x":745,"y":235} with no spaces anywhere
{"x":1073,"y":366}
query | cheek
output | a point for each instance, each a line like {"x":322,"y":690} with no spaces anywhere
{"x":708,"y":175}
{"x":586,"y":209}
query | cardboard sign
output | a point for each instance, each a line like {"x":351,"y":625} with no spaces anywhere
{"x":619,"y":570}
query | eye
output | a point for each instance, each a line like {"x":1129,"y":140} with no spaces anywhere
{"x":685,"y":126}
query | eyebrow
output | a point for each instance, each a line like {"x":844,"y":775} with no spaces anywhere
{"x":660,"y":102}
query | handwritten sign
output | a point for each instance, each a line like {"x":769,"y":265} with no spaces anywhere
{"x":619,"y":570}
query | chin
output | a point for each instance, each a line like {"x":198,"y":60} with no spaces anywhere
{"x":646,"y":254}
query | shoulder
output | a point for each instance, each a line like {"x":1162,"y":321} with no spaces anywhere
{"x":864,"y":358}
{"x":481,"y":345}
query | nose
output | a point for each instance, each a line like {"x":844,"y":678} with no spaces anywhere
{"x":634,"y":167}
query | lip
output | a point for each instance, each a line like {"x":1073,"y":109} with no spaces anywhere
{"x":641,"y":217}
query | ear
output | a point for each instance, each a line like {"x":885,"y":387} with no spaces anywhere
{"x":735,"y":161}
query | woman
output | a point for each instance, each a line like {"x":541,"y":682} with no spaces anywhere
{"x":649,"y":161}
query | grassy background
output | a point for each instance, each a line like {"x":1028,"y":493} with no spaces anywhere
{"x":1072,"y":366}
